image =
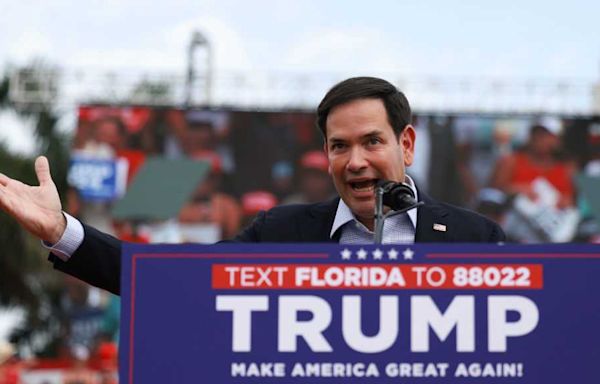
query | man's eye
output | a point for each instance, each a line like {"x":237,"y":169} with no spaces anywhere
{"x":337,"y":146}
{"x":374,"y":141}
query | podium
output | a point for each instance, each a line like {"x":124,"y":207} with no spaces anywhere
{"x":311,"y":313}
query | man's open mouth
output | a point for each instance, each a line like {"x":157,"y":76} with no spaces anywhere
{"x":363,"y":186}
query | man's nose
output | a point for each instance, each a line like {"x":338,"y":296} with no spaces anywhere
{"x":357,"y":160}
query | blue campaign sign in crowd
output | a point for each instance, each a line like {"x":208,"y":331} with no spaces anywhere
{"x":98,"y":179}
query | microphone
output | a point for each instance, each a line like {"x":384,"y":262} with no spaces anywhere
{"x":397,"y":196}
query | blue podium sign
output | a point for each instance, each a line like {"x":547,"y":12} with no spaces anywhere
{"x":298,"y":313}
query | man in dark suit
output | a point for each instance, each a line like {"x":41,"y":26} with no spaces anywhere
{"x":367,"y":137}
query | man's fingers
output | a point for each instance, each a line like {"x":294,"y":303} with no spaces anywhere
{"x":4,"y":201}
{"x":4,"y":179}
{"x":42,"y":170}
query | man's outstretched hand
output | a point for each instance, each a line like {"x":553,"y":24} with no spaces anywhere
{"x":37,"y":209}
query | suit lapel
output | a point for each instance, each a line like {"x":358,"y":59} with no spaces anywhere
{"x":428,"y":216}
{"x":320,"y":221}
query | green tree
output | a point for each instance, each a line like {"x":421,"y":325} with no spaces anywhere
{"x":24,"y":278}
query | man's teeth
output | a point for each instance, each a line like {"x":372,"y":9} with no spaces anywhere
{"x":363,"y":186}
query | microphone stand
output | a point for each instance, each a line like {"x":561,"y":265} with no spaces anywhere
{"x":380,"y":217}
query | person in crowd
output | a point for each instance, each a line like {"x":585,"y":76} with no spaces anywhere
{"x":314,"y":182}
{"x":540,"y":158}
{"x":209,"y":205}
{"x":255,"y":202}
{"x":104,"y":139}
{"x":10,"y":366}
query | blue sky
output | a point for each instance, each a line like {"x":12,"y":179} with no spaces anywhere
{"x":442,"y":38}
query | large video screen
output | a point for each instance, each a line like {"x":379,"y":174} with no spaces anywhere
{"x":536,"y":175}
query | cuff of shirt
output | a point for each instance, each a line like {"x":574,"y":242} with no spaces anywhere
{"x":70,"y":240}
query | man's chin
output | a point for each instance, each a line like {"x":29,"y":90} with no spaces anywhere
{"x":363,"y":211}
{"x":359,"y":206}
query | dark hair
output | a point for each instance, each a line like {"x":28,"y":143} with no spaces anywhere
{"x":536,"y":129}
{"x":396,"y":104}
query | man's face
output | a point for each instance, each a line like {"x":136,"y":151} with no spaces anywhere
{"x":362,"y":148}
{"x":544,"y":142}
{"x":108,"y":132}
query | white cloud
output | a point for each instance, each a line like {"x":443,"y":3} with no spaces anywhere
{"x":565,"y":62}
{"x":17,"y":133}
{"x":352,"y":49}
{"x":125,"y":58}
{"x":28,"y":45}
{"x":168,"y":50}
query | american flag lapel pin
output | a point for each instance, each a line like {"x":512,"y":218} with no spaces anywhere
{"x":439,"y":227}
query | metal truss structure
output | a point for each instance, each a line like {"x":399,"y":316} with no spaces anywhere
{"x":272,"y":90}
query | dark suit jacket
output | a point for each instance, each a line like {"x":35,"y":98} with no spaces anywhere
{"x":97,"y":261}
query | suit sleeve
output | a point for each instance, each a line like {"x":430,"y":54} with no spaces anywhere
{"x":252,"y":233}
{"x":497,"y":235}
{"x":97,"y":261}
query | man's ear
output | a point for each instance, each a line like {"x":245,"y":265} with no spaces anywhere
{"x":407,"y":142}
{"x":326,"y":150}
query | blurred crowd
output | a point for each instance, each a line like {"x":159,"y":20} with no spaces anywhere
{"x":96,"y":363}
{"x":537,"y":176}
{"x":534,"y":175}
{"x":265,"y":163}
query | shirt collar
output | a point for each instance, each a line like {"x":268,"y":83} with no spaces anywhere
{"x":344,"y":215}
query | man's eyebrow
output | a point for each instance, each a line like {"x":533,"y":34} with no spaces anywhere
{"x":366,"y":136}
{"x":375,"y":132}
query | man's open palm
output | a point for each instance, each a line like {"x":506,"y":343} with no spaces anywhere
{"x":37,"y":209}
